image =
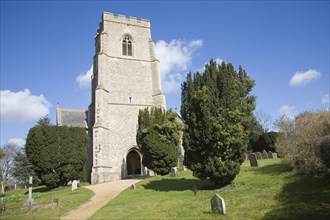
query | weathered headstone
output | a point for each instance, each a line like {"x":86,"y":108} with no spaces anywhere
{"x":270,"y":154}
{"x":133,"y":186}
{"x":264,"y":155}
{"x":74,"y":185}
{"x":259,"y":156}
{"x":274,"y":155}
{"x":151,"y":173}
{"x":218,"y":205}
{"x":253,"y":160}
{"x":174,"y":171}
{"x":145,"y":171}
{"x":248,"y":152}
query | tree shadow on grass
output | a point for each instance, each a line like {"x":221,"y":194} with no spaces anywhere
{"x":274,"y":169}
{"x":39,"y":189}
{"x":303,"y":198}
{"x":176,"y":184}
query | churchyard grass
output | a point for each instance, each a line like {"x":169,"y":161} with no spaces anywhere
{"x":67,"y":198}
{"x":270,"y":191}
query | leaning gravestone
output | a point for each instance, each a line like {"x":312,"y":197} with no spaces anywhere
{"x":264,"y":155}
{"x":253,"y":160}
{"x":74,"y":185}
{"x":270,"y":154}
{"x":218,"y":205}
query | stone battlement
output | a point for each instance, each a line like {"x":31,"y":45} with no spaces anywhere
{"x":107,"y":16}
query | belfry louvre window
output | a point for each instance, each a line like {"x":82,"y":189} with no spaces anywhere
{"x":127,"y":46}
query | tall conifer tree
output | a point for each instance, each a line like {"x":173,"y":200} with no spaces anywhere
{"x":217,"y":110}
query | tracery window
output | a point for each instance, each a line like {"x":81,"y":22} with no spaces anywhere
{"x":127,"y":46}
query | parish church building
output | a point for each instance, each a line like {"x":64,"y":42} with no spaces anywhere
{"x":126,"y":78}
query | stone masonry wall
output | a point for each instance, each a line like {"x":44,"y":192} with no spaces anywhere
{"x":124,"y":85}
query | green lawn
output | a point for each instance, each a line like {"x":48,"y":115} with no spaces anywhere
{"x":269,"y":191}
{"x":67,"y":200}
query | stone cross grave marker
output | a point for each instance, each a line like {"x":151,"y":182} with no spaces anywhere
{"x":218,"y":205}
{"x":74,"y":185}
{"x":29,"y":202}
{"x":253,"y":160}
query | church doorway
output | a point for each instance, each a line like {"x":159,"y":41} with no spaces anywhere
{"x":133,"y":163}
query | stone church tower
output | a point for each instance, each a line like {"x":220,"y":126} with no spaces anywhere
{"x":125,"y":79}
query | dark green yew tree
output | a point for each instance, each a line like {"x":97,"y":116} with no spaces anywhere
{"x":158,"y":137}
{"x":217,"y":111}
{"x":266,"y":141}
{"x":58,"y":154}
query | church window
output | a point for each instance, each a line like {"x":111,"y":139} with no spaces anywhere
{"x":127,"y":46}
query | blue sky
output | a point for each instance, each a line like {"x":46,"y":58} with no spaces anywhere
{"x":46,"y":46}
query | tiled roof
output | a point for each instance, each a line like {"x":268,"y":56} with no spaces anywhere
{"x":71,"y":117}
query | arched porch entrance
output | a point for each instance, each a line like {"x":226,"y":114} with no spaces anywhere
{"x":133,"y":163}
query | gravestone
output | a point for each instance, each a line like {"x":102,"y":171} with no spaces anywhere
{"x":218,"y":205}
{"x":274,"y":155}
{"x":259,"y":156}
{"x":247,"y":154}
{"x":270,"y":154}
{"x":174,"y":171}
{"x":151,"y":173}
{"x":253,"y":160}
{"x":74,"y":185}
{"x":145,"y":171}
{"x":133,"y":186}
{"x":264,"y":155}
{"x":29,"y":202}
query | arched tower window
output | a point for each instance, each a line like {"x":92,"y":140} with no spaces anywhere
{"x":127,"y":46}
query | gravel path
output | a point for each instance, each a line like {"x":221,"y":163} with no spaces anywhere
{"x":104,"y":192}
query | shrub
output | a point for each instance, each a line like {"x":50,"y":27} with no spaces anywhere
{"x":324,"y":146}
{"x":299,"y":138}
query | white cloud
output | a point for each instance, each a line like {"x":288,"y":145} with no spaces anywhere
{"x":22,"y":106}
{"x":289,"y":111}
{"x":175,"y":57}
{"x":303,"y":78}
{"x":325,"y":99}
{"x":172,"y":83}
{"x":84,"y":79}
{"x":17,"y":141}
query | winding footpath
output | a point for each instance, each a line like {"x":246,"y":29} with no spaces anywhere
{"x":104,"y":192}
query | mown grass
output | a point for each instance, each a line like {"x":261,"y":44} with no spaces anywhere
{"x":41,"y":195}
{"x":269,"y":191}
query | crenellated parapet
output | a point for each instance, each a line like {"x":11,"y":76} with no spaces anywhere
{"x":107,"y":16}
